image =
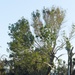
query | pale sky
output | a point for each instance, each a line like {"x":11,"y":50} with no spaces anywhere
{"x":12,"y":10}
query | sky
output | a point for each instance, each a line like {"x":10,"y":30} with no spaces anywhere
{"x":12,"y":10}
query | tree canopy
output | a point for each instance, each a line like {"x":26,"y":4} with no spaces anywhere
{"x":34,"y":54}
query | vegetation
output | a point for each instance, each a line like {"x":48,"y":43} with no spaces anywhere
{"x":32,"y":52}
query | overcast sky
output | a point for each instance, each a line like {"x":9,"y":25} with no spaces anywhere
{"x":12,"y":10}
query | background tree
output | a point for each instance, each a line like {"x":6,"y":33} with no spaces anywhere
{"x":61,"y":67}
{"x":69,"y":48}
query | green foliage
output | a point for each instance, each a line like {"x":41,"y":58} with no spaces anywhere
{"x":20,"y":33}
{"x":22,"y":41}
{"x":27,"y":57}
{"x":48,"y":32}
{"x":62,"y":67}
{"x":68,"y":44}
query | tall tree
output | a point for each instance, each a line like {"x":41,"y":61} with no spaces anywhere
{"x":21,"y":44}
{"x":48,"y":32}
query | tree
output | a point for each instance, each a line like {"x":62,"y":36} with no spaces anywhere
{"x":35,"y":53}
{"x":21,"y":44}
{"x":69,"y":49}
{"x":48,"y":32}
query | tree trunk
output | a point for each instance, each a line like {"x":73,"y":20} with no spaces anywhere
{"x":51,"y":63}
{"x":48,"y":71}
